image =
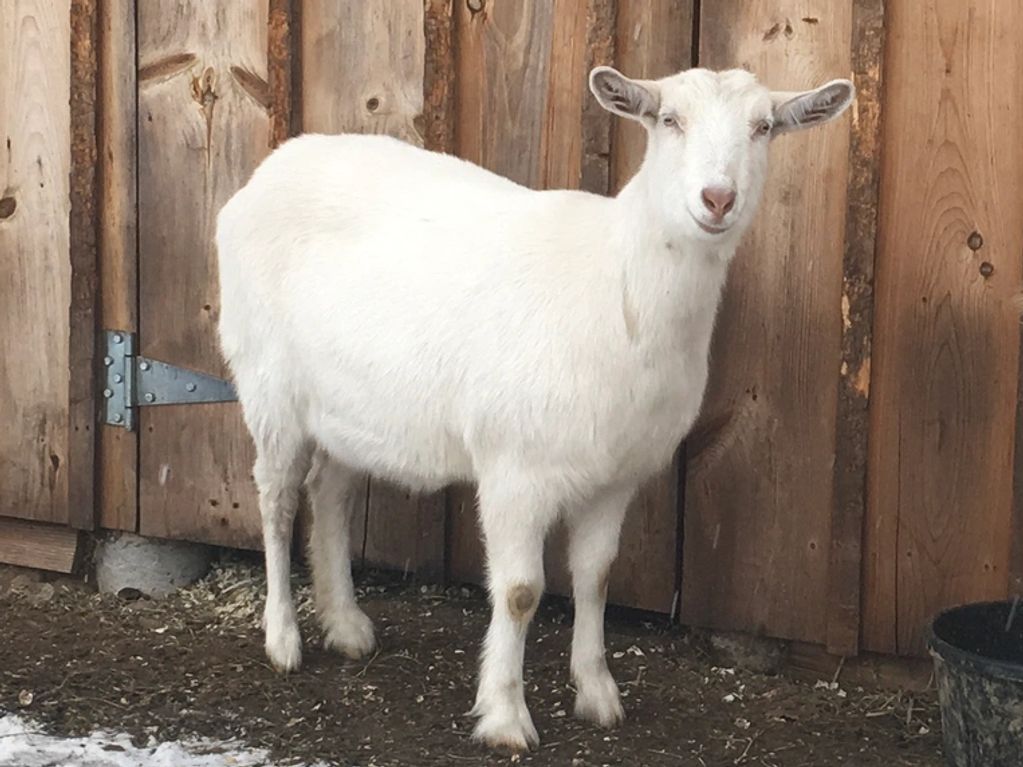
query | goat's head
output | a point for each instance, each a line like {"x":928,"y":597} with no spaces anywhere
{"x":708,"y":134}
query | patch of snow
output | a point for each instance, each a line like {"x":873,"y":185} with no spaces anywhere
{"x":24,"y":744}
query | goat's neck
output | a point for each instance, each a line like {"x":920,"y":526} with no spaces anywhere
{"x":674,"y":282}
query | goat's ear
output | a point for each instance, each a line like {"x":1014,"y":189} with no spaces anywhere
{"x":796,"y":111}
{"x":637,"y":99}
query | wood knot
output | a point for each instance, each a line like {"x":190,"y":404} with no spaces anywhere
{"x":372,"y":104}
{"x":204,"y":88}
{"x":987,"y":269}
{"x":974,"y":241}
{"x":777,"y":29}
{"x":475,"y":6}
{"x":7,"y":207}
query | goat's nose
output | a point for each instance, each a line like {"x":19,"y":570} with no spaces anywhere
{"x":719,"y":200}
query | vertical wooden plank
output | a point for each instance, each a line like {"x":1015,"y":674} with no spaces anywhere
{"x":945,"y":372}
{"x":82,"y":401}
{"x":503,"y":61}
{"x":760,"y":464}
{"x":35,"y":269}
{"x":362,"y":67}
{"x":203,"y":125}
{"x":561,"y":150}
{"x":504,"y":52}
{"x":438,"y":131}
{"x":439,"y":76}
{"x":654,"y":39}
{"x":465,"y":553}
{"x":850,"y":483}
{"x":118,"y":240}
{"x":281,"y":49}
{"x":578,"y":41}
{"x":504,"y":58}
{"x":389,"y":83}
{"x":601,"y":33}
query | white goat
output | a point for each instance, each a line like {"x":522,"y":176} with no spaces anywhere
{"x":408,"y":315}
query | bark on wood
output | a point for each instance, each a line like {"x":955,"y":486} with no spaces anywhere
{"x":850,"y":483}
{"x":82,"y":401}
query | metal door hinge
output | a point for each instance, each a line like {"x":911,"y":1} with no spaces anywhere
{"x":132,"y":381}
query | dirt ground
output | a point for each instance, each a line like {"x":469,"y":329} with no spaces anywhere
{"x":193,"y":665}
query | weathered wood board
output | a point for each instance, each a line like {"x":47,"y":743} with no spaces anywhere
{"x":118,"y":239}
{"x":946,"y":360}
{"x":35,"y":266}
{"x":759,"y":474}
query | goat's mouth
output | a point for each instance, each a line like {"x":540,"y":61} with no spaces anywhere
{"x":710,"y":228}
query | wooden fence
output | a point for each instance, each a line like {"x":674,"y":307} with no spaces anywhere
{"x":853,"y":470}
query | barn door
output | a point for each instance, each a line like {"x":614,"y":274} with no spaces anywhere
{"x":214,"y":96}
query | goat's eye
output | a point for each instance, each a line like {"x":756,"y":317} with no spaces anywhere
{"x":670,"y":121}
{"x":762,"y":128}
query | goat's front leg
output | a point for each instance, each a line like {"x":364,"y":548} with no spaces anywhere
{"x":592,"y":548}
{"x":515,"y":523}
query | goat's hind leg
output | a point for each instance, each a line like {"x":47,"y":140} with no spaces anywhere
{"x":334,"y":493}
{"x":282,"y":462}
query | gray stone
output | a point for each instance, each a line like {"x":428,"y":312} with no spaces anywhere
{"x":749,"y":653}
{"x":149,"y":566}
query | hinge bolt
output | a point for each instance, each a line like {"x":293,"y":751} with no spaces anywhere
{"x":118,"y":378}
{"x":118,"y":417}
{"x":108,"y":393}
{"x":150,"y":397}
{"x":118,"y":338}
{"x":144,"y":366}
{"x":108,"y":361}
{"x":190,"y":387}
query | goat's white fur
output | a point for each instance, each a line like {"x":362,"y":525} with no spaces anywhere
{"x":407,"y":315}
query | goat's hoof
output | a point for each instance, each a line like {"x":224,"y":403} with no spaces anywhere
{"x":506,"y":729}
{"x":598,"y":702}
{"x":350,"y":632}
{"x":284,"y":649}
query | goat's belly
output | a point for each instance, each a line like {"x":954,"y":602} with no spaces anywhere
{"x":414,"y":450}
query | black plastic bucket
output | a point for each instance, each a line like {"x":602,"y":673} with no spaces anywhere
{"x":979,"y":671}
